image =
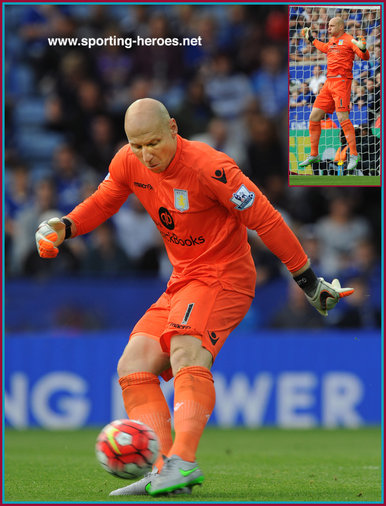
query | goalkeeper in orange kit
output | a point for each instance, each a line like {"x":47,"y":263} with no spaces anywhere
{"x":336,"y":91}
{"x":202,"y":204}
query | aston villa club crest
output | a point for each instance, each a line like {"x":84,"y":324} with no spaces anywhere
{"x":181,"y":201}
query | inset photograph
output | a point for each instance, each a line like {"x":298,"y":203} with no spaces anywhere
{"x":334,"y":96}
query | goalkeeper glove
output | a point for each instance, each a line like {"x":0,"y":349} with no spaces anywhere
{"x":321,"y":294}
{"x":361,"y":43}
{"x":50,"y":234}
{"x":306,"y":32}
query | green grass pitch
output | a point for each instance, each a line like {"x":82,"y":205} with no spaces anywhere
{"x":300,"y":180}
{"x":265,"y":465}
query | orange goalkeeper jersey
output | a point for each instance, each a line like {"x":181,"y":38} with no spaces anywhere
{"x":202,"y":204}
{"x":340,"y":55}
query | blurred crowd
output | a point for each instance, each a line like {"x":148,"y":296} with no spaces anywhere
{"x":64,"y":123}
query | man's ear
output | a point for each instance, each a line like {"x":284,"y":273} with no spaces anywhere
{"x":173,"y":126}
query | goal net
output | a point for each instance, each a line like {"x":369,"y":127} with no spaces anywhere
{"x":307,"y":73}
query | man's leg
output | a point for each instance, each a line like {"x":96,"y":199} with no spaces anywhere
{"x":349,"y":132}
{"x":315,"y":130}
{"x":194,"y":394}
{"x":138,"y":369}
{"x":211,"y":314}
{"x":194,"y":400}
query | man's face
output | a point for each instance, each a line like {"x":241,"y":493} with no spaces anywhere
{"x":334,"y":28}
{"x":154,"y":146}
{"x":316,"y":70}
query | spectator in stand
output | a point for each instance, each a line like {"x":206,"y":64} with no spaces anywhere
{"x":56,"y":118}
{"x":323,"y":22}
{"x":113,"y":63}
{"x":371,"y":21}
{"x":140,"y":87}
{"x":297,"y":45}
{"x":375,"y":59}
{"x":354,"y":18}
{"x":307,"y":13}
{"x":17,"y":197}
{"x":136,"y":21}
{"x":235,"y":27}
{"x":360,"y":97}
{"x":139,"y":237}
{"x":73,"y":70}
{"x":114,"y":66}
{"x":362,"y":70}
{"x":38,"y":23}
{"x":218,"y":137}
{"x":93,"y":24}
{"x":293,"y":102}
{"x":194,"y":112}
{"x":294,"y":313}
{"x":317,"y":79}
{"x":101,"y":147}
{"x":69,"y":176}
{"x":374,"y":37}
{"x":44,"y":200}
{"x":90,"y":103}
{"x":229,"y":91}
{"x":301,"y":97}
{"x":309,"y":51}
{"x":305,"y":97}
{"x":162,"y":64}
{"x":197,"y":57}
{"x":366,"y":263}
{"x":263,"y":149}
{"x":359,"y":312}
{"x":339,"y":232}
{"x":270,"y":83}
{"x":308,"y":235}
{"x":373,"y":99}
{"x":105,"y":257}
{"x":276,"y":26}
{"x":17,"y":191}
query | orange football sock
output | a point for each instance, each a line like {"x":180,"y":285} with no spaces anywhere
{"x":194,"y":399}
{"x":349,"y":133}
{"x":144,"y":401}
{"x":315,"y":130}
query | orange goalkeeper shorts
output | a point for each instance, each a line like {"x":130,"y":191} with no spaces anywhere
{"x":207,"y":312}
{"x":335,"y":95}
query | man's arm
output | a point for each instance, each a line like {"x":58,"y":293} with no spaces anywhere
{"x":359,"y":48}
{"x":88,"y":215}
{"x":244,"y":200}
{"x":322,"y":46}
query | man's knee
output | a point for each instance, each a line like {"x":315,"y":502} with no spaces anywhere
{"x":342,"y":116}
{"x":126,"y":364}
{"x":142,"y":354}
{"x":123,"y":366}
{"x":186,"y":351}
{"x":316,"y":114}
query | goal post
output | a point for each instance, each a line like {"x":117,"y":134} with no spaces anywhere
{"x":307,"y":74}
